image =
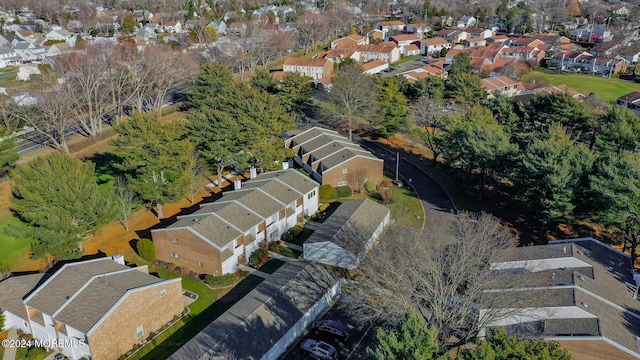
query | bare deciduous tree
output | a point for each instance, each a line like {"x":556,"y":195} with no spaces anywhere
{"x":312,"y":29}
{"x":352,"y":97}
{"x":427,"y":115}
{"x":442,"y":272}
{"x":356,"y":178}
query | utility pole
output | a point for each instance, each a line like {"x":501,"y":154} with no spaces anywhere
{"x":397,"y":164}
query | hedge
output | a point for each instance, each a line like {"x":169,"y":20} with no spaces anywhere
{"x":344,"y":191}
{"x":259,"y":256}
{"x":327,"y":192}
{"x":146,"y":250}
{"x":221,"y":281}
{"x":370,"y":186}
{"x":296,"y":230}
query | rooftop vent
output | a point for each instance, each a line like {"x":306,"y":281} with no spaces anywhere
{"x":585,"y":304}
{"x":581,"y":278}
{"x":196,"y":220}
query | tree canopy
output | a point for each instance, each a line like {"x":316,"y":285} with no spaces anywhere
{"x":8,"y":152}
{"x":59,"y":197}
{"x":500,"y":346}
{"x":156,"y":158}
{"x":393,"y":107}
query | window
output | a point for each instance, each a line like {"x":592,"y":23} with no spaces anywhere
{"x":201,"y":264}
{"x":139,"y":331}
{"x":342,"y":183}
{"x":175,"y":240}
{"x":175,"y":255}
{"x":163,"y":292}
{"x":344,"y":171}
{"x":311,"y":194}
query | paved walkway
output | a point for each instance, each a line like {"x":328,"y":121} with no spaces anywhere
{"x":312,"y":225}
{"x":275,"y":255}
{"x":10,"y":352}
{"x":253,"y":271}
{"x":294,"y":246}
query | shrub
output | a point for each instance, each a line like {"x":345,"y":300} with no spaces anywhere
{"x":221,"y":281}
{"x":259,"y":256}
{"x":136,"y":346}
{"x":296,"y":230}
{"x":344,"y":191}
{"x":287,"y":237}
{"x":327,"y":192}
{"x":152,"y":334}
{"x":146,"y":250}
{"x":274,"y":246}
{"x":369,"y":186}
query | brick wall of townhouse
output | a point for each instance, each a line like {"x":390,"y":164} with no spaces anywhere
{"x":118,"y":332}
{"x":189,"y":252}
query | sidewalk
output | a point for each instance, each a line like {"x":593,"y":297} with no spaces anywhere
{"x":10,"y":352}
{"x":253,"y":271}
{"x":294,"y":246}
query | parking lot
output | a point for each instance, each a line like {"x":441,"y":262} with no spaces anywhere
{"x":353,"y":348}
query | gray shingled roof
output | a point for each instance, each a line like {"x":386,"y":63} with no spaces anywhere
{"x":67,"y":281}
{"x":348,"y":228}
{"x":343,"y":155}
{"x":256,"y":200}
{"x":277,"y":189}
{"x":310,"y":134}
{"x":211,"y":227}
{"x":291,"y":177}
{"x":255,"y":323}
{"x":100,"y":294}
{"x":14,"y":289}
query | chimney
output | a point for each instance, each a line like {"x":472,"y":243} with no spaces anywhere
{"x":253,"y":172}
{"x":286,"y":164}
{"x":237,"y":184}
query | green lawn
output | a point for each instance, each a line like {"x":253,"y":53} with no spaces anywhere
{"x":14,"y":249}
{"x":202,"y":312}
{"x":605,"y":88}
{"x":289,"y":252}
{"x":271,"y":266}
{"x":302,"y":237}
{"x":405,"y":206}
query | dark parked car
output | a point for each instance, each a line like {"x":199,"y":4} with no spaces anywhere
{"x":332,"y":327}
{"x":319,"y":350}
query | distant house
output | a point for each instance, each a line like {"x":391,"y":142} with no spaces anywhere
{"x":389,"y":27}
{"x":95,"y":309}
{"x":345,"y":237}
{"x":373,"y":34}
{"x":579,"y":292}
{"x":220,"y":26}
{"x":8,"y":57}
{"x":387,"y":53}
{"x":531,"y":55}
{"x":599,"y":33}
{"x":418,"y":29}
{"x":349,"y":41}
{"x":407,"y":43}
{"x":629,"y":53}
{"x":446,"y":21}
{"x":515,"y":42}
{"x":631,"y":101}
{"x":433,"y":46}
{"x":500,"y":84}
{"x":223,"y":234}
{"x":338,"y":56}
{"x":266,"y":322}
{"x":146,"y":34}
{"x":466,"y":21}
{"x":29,"y":52}
{"x":313,"y":68}
{"x":454,"y":36}
{"x":424,"y":72}
{"x":172,"y":26}
{"x":332,"y":159}
{"x":58,"y":49}
{"x":59,"y":35}
{"x":585,"y":62}
{"x":374,"y":67}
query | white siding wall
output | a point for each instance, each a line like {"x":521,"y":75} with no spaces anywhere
{"x":15,"y":321}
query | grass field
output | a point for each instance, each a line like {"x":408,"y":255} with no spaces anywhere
{"x":15,"y":250}
{"x":607,"y":89}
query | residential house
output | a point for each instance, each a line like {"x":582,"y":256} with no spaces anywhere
{"x":8,"y":57}
{"x":59,"y":35}
{"x":266,"y":322}
{"x":425,"y":71}
{"x":498,"y":39}
{"x":531,"y":90}
{"x":220,"y":235}
{"x":466,"y":21}
{"x":419,"y":29}
{"x":146,"y":33}
{"x":373,"y":34}
{"x":500,"y":84}
{"x":580,"y":292}
{"x":631,"y":101}
{"x":59,"y":49}
{"x":531,"y":55}
{"x":515,"y":42}
{"x":478,"y":33}
{"x":584,"y":62}
{"x":454,"y":36}
{"x":143,"y":15}
{"x":313,"y":68}
{"x":599,"y":33}
{"x":388,"y":28}
{"x":629,"y":53}
{"x":345,"y":237}
{"x":621,"y":9}
{"x":550,"y":39}
{"x":374,"y":67}
{"x":338,"y":56}
{"x":387,"y":53}
{"x":433,"y":46}
{"x":332,"y":159}
{"x":349,"y":41}
{"x":220,"y":26}
{"x":95,"y":309}
{"x":29,"y":52}
{"x":172,"y":26}
{"x":407,"y":44}
{"x":237,"y":28}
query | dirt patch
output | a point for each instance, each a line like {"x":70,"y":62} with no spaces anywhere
{"x":5,"y":195}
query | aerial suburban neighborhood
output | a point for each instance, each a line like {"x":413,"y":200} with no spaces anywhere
{"x":375,"y":179}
